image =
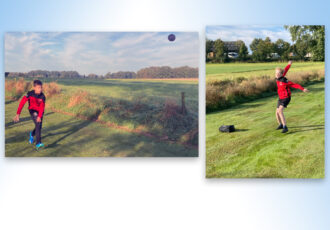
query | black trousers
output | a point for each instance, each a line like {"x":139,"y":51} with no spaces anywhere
{"x":38,"y":125}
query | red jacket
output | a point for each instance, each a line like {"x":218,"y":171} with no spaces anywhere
{"x":36,"y":102}
{"x":284,"y":85}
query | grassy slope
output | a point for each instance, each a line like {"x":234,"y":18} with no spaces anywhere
{"x":258,"y":150}
{"x":152,"y":92}
{"x":236,"y":70}
{"x":108,"y":141}
{"x":67,"y":136}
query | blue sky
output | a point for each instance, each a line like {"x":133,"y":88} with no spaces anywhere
{"x":98,"y":52}
{"x":247,"y":33}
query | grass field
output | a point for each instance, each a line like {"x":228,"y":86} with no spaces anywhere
{"x":150,"y":91}
{"x":124,"y":103}
{"x":258,"y":150}
{"x":247,"y":70}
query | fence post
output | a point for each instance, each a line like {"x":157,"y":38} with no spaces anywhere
{"x":183,"y":106}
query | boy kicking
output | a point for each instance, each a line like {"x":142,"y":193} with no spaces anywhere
{"x":36,"y":108}
{"x":284,"y":94}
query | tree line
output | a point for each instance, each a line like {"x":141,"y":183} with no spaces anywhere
{"x":308,"y":44}
{"x":149,"y":72}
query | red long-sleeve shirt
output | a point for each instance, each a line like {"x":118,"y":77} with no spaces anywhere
{"x":284,"y":85}
{"x":36,"y":102}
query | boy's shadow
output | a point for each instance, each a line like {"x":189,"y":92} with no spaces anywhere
{"x":305,"y":128}
{"x":23,"y":119}
{"x":9,"y":102}
{"x":69,"y":132}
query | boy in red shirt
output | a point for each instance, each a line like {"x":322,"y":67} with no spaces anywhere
{"x":36,"y":108}
{"x":284,"y":94}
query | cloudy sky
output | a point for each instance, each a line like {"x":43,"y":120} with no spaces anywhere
{"x":98,"y":52}
{"x":247,"y":33}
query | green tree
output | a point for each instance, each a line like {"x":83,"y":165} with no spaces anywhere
{"x":261,"y":49}
{"x":243,"y":51}
{"x":254,"y":46}
{"x":268,"y":47}
{"x":308,"y":39}
{"x":283,"y":49}
{"x":209,"y":47}
{"x":220,"y":50}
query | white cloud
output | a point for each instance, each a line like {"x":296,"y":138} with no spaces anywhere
{"x":98,"y":52}
{"x":247,"y":33}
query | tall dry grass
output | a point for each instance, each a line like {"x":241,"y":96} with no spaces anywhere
{"x":15,"y":89}
{"x":80,"y":97}
{"x":226,"y":93}
{"x":51,"y":89}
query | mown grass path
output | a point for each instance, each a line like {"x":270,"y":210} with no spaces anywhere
{"x":258,"y":150}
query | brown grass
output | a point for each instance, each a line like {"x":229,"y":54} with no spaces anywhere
{"x":171,"y":109}
{"x":51,"y":89}
{"x":223,"y":94}
{"x":16,"y":88}
{"x":191,"y":137}
{"x":78,"y":98}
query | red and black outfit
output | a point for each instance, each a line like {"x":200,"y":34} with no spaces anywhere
{"x":36,"y":109}
{"x":283,"y":88}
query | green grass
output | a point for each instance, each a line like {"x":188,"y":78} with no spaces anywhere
{"x":258,"y":150}
{"x":68,"y":136}
{"x":153,"y":92}
{"x":246,"y":70}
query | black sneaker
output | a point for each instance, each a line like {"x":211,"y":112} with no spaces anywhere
{"x":280,"y":127}
{"x":285,"y":129}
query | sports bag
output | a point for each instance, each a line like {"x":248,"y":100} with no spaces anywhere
{"x":227,"y":128}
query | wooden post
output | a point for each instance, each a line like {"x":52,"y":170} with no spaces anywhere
{"x":183,"y":106}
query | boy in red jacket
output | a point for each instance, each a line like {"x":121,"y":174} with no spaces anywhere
{"x":37,"y":102}
{"x":284,"y":94}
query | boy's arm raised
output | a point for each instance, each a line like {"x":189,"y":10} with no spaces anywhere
{"x":286,"y":69}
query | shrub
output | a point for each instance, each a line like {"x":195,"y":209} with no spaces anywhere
{"x":16,"y":88}
{"x":80,"y":97}
{"x":51,"y":89}
{"x":226,"y":93}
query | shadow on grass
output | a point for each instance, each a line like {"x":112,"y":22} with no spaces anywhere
{"x":73,"y":129}
{"x":118,"y":145}
{"x":241,"y":130}
{"x":299,"y":129}
{"x":306,"y":126}
{"x":94,"y":141}
{"x":9,"y":102}
{"x":23,"y":119}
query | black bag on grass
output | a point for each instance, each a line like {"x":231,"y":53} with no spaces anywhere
{"x":227,"y":128}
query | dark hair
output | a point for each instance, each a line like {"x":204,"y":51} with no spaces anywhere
{"x":37,"y":82}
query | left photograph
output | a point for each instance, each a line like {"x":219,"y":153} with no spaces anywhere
{"x":101,"y":94}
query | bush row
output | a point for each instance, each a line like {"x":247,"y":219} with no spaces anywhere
{"x":226,"y":93}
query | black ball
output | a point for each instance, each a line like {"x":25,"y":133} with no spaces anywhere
{"x":171,"y":37}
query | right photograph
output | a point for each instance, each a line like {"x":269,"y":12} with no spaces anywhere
{"x":265,"y":89}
